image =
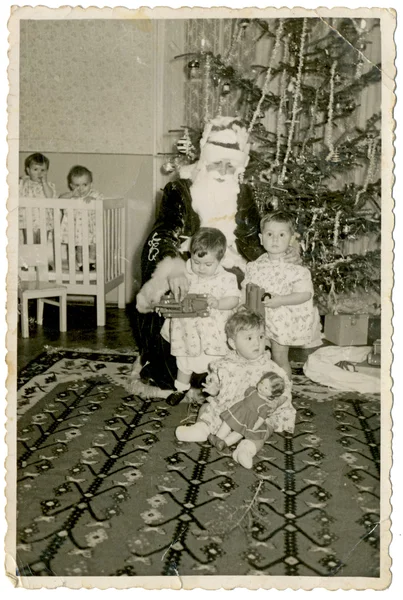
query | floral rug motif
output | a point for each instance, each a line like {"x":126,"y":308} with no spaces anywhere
{"x":105,"y":489}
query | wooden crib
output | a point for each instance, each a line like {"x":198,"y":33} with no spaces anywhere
{"x":101,"y":224}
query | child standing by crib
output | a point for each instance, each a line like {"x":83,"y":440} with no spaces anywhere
{"x":291,"y":318}
{"x":35,"y":184}
{"x":79,"y":180}
{"x":196,"y":341}
{"x":230,"y":378}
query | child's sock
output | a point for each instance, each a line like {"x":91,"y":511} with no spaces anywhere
{"x":198,"y":432}
{"x":181,"y":387}
{"x":244,"y":453}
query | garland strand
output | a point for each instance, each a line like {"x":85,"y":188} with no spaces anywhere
{"x":295,"y":109}
{"x":312,"y":123}
{"x":266,"y":84}
{"x":336,"y":229}
{"x":329,"y":126}
{"x":372,"y":146}
{"x":207,"y":69}
{"x":283,"y":97}
{"x":234,"y":43}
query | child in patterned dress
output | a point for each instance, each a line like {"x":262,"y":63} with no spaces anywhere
{"x":291,"y":318}
{"x":79,"y":180}
{"x":35,"y":184}
{"x":195,"y":342}
{"x":229,"y":379}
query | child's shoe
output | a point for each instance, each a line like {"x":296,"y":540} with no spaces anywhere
{"x":244,"y":453}
{"x":174,"y":398}
{"x":198,"y":432}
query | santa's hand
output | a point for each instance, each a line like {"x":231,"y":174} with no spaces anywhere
{"x":292,"y":256}
{"x":212,"y":302}
{"x":179,"y":286}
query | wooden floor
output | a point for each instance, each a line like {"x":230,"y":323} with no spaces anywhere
{"x":82,"y":331}
{"x":116,"y":335}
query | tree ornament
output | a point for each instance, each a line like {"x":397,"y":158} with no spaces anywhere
{"x":226,"y":88}
{"x":194,"y":69}
{"x":185,"y":146}
{"x":168,"y":167}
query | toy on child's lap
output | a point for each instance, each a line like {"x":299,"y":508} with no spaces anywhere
{"x":255,"y":296}
{"x":193,"y":305}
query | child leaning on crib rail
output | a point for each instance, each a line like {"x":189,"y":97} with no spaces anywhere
{"x":35,"y":184}
{"x":79,"y":180}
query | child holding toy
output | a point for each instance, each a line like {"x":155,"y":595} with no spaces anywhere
{"x":195,"y":342}
{"x":228,"y":380}
{"x":291,"y":318}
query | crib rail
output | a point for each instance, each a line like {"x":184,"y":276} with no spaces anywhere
{"x":75,"y":231}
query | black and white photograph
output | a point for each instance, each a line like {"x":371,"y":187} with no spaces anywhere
{"x":199,"y":287}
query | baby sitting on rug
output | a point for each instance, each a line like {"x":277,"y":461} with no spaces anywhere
{"x":229,"y":379}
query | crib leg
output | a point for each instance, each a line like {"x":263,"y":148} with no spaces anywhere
{"x":24,"y":318}
{"x":101,"y":310}
{"x":39,"y":311}
{"x":121,"y":295}
{"x":63,"y":313}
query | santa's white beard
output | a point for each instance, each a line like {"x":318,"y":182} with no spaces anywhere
{"x":216,"y":202}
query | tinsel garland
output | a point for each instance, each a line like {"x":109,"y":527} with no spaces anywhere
{"x":220,"y":105}
{"x":236,"y":38}
{"x":329,"y":125}
{"x":279,"y":125}
{"x":266,"y":83}
{"x":336,"y":229}
{"x":314,"y":112}
{"x":372,"y":146}
{"x":296,"y":102}
{"x":207,"y":69}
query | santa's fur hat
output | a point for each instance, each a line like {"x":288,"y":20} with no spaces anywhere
{"x":223,"y":138}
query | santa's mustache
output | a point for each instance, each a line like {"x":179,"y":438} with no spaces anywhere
{"x":215,"y":177}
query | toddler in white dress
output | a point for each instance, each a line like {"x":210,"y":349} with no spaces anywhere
{"x":196,"y":341}
{"x":291,"y":317}
{"x":79,"y":180}
{"x":35,"y":184}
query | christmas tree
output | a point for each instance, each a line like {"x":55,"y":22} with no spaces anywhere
{"x":309,"y":152}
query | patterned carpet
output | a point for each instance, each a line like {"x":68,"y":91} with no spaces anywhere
{"x":105,"y":489}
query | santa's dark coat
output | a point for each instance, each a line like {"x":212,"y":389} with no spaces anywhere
{"x":177,"y":220}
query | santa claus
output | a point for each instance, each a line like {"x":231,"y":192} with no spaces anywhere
{"x":208,"y":194}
